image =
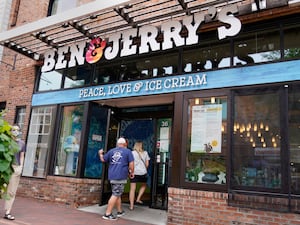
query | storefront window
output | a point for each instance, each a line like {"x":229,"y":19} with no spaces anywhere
{"x":294,"y":138}
{"x":138,"y":69}
{"x":66,"y":159}
{"x":78,"y":76}
{"x":162,"y":65}
{"x":206,"y":149}
{"x":50,"y":80}
{"x":214,"y":56}
{"x":256,"y":160}
{"x":257,"y":48}
{"x":57,"y":6}
{"x":96,"y":141}
{"x":39,"y":141}
{"x":20,"y":116}
{"x":114,"y":73}
{"x":291,"y":43}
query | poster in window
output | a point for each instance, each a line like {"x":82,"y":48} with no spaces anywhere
{"x":164,"y":139}
{"x":206,"y":128}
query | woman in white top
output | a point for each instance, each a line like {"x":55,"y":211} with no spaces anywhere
{"x":141,"y":163}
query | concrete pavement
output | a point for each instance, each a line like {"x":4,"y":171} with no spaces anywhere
{"x":30,"y":211}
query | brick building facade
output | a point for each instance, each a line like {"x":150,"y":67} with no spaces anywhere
{"x":254,"y":183}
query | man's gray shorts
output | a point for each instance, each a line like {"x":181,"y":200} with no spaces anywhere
{"x":117,"y":189}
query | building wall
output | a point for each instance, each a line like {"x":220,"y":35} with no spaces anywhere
{"x":70,"y":191}
{"x":184,"y":206}
{"x":20,"y":89}
{"x":5,"y":7}
{"x":18,"y":72}
{"x":4,"y":17}
{"x":17,"y":84}
{"x":211,"y":208}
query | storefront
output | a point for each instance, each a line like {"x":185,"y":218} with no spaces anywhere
{"x":213,"y":94}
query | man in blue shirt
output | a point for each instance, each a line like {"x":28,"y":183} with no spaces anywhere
{"x":121,"y":162}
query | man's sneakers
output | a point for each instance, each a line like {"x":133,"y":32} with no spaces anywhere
{"x":112,"y":217}
{"x":109,"y":217}
{"x":119,"y":214}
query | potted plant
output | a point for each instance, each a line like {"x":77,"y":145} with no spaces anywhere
{"x":8,"y":148}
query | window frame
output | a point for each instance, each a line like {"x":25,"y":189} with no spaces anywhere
{"x":283,"y":127}
{"x":49,"y":143}
{"x":59,"y":3}
{"x":57,"y":141}
{"x":83,"y":142}
{"x":20,"y":116}
{"x":186,"y":98}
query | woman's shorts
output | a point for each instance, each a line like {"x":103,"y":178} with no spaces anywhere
{"x":139,"y":179}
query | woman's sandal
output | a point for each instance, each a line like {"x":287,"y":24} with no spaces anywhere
{"x":9,"y":217}
{"x":139,"y":202}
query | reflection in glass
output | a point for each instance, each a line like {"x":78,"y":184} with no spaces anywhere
{"x":105,"y":74}
{"x":78,"y":76}
{"x":50,"y":80}
{"x":38,"y":141}
{"x":20,"y":116}
{"x":214,"y":56}
{"x":256,"y":140}
{"x":257,"y":48}
{"x":139,"y":69}
{"x":96,"y":141}
{"x":206,"y":147}
{"x":291,"y":43}
{"x":294,"y":137}
{"x":158,"y":66}
{"x":61,"y":5}
{"x":69,"y":141}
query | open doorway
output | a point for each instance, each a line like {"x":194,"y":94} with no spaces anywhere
{"x":140,"y":130}
{"x":151,"y":125}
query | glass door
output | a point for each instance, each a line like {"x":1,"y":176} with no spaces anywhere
{"x":294,"y":138}
{"x":66,"y":160}
{"x":135,"y":126}
{"x":111,"y":137}
{"x":161,"y":164}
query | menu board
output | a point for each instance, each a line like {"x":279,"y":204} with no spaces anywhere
{"x":206,"y":133}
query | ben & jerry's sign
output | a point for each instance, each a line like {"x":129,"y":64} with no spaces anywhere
{"x":121,"y":43}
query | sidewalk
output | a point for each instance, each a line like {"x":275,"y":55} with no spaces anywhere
{"x":35,"y":212}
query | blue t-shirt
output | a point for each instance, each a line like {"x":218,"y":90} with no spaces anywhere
{"x":118,"y":159}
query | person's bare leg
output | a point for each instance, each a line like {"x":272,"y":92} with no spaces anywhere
{"x":132,"y":194}
{"x":11,"y":191}
{"x":119,"y":204}
{"x":111,"y":203}
{"x":141,"y":192}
